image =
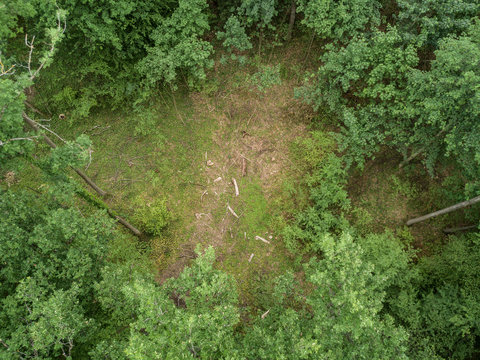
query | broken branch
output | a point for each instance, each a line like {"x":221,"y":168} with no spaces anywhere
{"x":244,"y":167}
{"x":264,"y":315}
{"x":233,"y":212}
{"x":236,"y":186}
{"x":262,"y":239}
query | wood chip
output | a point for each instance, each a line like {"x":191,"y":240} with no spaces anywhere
{"x":236,"y":186}
{"x":262,"y":239}
{"x":244,"y":167}
{"x":199,"y":215}
{"x":264,"y":315}
{"x":245,"y":157}
{"x":233,"y":212}
{"x":251,"y":257}
{"x":217,"y":179}
{"x":209,"y":163}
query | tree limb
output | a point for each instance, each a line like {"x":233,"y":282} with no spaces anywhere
{"x":444,"y":211}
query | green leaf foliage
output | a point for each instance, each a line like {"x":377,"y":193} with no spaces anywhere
{"x":343,"y":318}
{"x":189,"y":317}
{"x":10,"y":12}
{"x":328,"y":202}
{"x":433,"y":20}
{"x":340,"y":20}
{"x":103,"y":43}
{"x":179,"y":49}
{"x":447,"y":103}
{"x":234,"y":37}
{"x":12,"y":135}
{"x":154,"y":217}
{"x":443,"y":310}
{"x":258,"y":13}
{"x":347,"y":301}
{"x":15,"y":77}
{"x":52,"y":257}
{"x":365,"y":85}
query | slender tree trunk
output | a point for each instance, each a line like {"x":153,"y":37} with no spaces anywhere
{"x":309,"y":47}
{"x":415,"y":154}
{"x":293,"y":11}
{"x":444,"y":211}
{"x":410,"y":158}
{"x":260,"y":38}
{"x":34,"y":109}
{"x":461,"y":228}
{"x":89,"y":181}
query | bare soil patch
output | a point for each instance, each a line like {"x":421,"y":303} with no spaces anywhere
{"x":250,"y":144}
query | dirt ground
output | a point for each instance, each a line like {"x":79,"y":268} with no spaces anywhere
{"x":251,"y":143}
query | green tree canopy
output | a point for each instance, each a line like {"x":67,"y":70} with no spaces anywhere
{"x":340,"y":20}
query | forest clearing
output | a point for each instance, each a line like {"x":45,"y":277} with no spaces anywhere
{"x":244,"y":180}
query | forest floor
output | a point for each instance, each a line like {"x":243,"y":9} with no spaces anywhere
{"x":189,"y":156}
{"x":189,"y":153}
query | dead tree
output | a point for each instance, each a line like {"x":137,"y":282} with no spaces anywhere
{"x":444,"y":211}
{"x":89,"y":181}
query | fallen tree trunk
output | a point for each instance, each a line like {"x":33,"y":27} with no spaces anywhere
{"x":444,"y":211}
{"x":125,"y":223}
{"x":461,"y":228}
{"x":80,"y":173}
{"x":94,"y":186}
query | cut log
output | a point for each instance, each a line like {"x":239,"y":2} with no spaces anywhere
{"x":262,"y":239}
{"x":233,"y":212}
{"x":444,"y":211}
{"x":236,"y":186}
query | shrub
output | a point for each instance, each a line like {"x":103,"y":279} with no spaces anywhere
{"x":154,"y":218}
{"x":267,"y":77}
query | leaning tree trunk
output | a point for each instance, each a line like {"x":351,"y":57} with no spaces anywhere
{"x":293,"y":11}
{"x":444,"y":211}
{"x":418,"y":152}
{"x":89,"y":181}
